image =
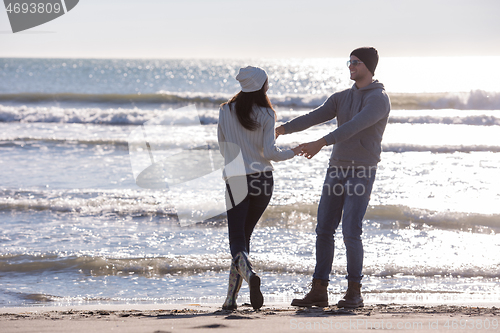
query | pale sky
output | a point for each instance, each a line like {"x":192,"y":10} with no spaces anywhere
{"x":260,"y":29}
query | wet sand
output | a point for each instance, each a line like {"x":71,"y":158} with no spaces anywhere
{"x":272,"y":318}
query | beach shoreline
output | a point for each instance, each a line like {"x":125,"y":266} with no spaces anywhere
{"x":278,"y":317}
{"x":83,"y":243}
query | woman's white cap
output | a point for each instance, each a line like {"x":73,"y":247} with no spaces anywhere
{"x":251,"y":78}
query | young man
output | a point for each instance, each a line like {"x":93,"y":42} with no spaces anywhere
{"x":362,"y":113}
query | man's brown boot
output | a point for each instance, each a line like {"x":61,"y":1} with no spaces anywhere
{"x":352,"y":297}
{"x":318,"y":296}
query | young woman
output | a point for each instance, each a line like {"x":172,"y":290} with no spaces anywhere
{"x":247,"y":129}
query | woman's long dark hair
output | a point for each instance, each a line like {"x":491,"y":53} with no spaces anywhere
{"x":244,"y":102}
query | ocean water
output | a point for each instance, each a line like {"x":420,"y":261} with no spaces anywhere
{"x":76,"y":229}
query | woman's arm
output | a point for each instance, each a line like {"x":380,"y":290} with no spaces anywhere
{"x":271,"y":152}
{"x":220,"y":134}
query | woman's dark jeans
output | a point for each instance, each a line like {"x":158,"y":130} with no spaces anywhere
{"x":243,"y":217}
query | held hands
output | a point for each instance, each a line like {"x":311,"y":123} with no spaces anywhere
{"x":280,"y":130}
{"x":308,"y":150}
{"x":298,"y":150}
{"x":312,"y":148}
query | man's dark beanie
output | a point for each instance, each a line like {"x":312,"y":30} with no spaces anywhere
{"x":369,"y":56}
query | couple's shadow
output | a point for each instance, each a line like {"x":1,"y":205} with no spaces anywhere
{"x":246,"y":312}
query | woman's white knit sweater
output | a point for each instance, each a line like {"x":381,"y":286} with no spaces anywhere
{"x":257,"y":147}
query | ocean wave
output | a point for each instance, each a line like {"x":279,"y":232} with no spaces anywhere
{"x":157,"y":98}
{"x":55,"y":114}
{"x":473,"y":100}
{"x":162,"y":97}
{"x":114,"y":266}
{"x":137,"y":116}
{"x":392,"y":216}
{"x":38,"y":141}
{"x":470,"y":271}
{"x":404,"y":216}
{"x":196,"y":264}
{"x":479,"y":119}
{"x":402,"y":148}
{"x":33,"y":141}
{"x":89,"y":202}
{"x":95,"y":115}
{"x":129,"y":202}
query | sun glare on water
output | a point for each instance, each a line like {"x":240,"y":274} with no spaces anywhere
{"x":439,"y":74}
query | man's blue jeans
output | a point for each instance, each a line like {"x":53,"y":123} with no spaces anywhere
{"x":345,"y":196}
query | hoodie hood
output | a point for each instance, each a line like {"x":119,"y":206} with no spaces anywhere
{"x":374,"y":85}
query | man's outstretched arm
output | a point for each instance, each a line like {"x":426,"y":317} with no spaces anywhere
{"x":322,"y":114}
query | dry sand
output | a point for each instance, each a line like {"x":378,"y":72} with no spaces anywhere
{"x":273,"y":318}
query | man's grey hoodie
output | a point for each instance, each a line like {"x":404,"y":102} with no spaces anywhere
{"x":361,"y":114}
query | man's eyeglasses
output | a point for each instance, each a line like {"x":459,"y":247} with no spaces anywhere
{"x":353,"y":62}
